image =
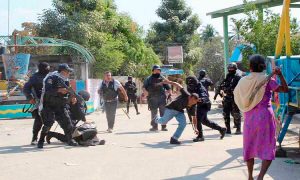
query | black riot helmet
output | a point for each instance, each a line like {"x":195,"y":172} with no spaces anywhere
{"x":202,"y":73}
{"x":192,"y":84}
{"x":232,"y":66}
{"x":44,"y":68}
{"x":84,"y":94}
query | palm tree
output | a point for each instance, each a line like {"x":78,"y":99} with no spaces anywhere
{"x":235,"y":34}
{"x":208,"y":33}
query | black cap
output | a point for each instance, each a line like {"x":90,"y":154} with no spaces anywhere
{"x":155,"y":67}
{"x":129,"y":77}
{"x":64,"y":66}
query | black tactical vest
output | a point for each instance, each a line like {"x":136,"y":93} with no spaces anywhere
{"x":109,"y":92}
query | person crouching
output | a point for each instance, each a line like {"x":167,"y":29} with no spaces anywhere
{"x":176,"y":109}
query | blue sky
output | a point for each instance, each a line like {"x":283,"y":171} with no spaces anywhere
{"x":142,"y":11}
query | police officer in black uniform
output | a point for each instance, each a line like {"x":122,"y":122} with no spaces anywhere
{"x":229,"y":106}
{"x":55,"y":104}
{"x":157,"y":98}
{"x":33,"y":90}
{"x":205,"y":81}
{"x":131,"y":90}
{"x":194,"y":86}
{"x":77,"y":113}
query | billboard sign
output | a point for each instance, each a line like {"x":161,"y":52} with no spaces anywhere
{"x":175,"y":54}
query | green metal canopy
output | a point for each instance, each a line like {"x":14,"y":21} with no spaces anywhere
{"x":261,"y":4}
{"x":241,"y":8}
{"x":45,"y":41}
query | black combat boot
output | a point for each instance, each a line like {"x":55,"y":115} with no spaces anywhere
{"x":199,"y":138}
{"x":227,"y":123}
{"x":44,"y":133}
{"x":34,"y":140}
{"x":238,"y":129}
{"x":71,"y":141}
{"x":222,"y":132}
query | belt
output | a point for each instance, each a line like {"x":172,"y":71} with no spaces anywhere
{"x":110,"y":100}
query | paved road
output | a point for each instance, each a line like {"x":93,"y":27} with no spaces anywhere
{"x":131,"y":152}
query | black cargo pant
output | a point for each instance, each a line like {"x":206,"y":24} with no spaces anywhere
{"x":202,"y":111}
{"x":229,"y":107}
{"x":156,"y":103}
{"x":133,"y":99}
{"x":37,"y":124}
{"x":110,"y":110}
{"x":61,"y":115}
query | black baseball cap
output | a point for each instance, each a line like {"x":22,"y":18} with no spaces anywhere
{"x":64,"y":66}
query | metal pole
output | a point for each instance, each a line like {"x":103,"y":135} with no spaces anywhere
{"x":8,"y":9}
{"x":226,"y":46}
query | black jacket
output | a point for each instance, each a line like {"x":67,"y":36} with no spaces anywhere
{"x":33,"y":88}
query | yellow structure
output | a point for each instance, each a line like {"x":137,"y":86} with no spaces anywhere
{"x":284,"y":31}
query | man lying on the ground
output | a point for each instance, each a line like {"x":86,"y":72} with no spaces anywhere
{"x":176,"y":109}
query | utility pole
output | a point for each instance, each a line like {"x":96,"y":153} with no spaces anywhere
{"x":8,"y":9}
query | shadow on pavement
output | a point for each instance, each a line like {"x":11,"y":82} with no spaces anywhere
{"x":235,"y":154}
{"x":26,"y":148}
{"x":137,"y":132}
{"x":167,"y":145}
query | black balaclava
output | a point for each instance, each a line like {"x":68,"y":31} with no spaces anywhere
{"x":157,"y":75}
{"x":231,"y":72}
{"x":44,"y":68}
{"x":130,"y":79}
{"x":202,"y":74}
{"x":192,"y":84}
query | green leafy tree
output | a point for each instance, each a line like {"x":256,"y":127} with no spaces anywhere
{"x":208,"y":33}
{"x":113,"y":38}
{"x":211,"y":59}
{"x":178,"y":27}
{"x":260,"y":28}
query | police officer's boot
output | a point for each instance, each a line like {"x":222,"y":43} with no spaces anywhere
{"x":34,"y":139}
{"x":136,"y":108}
{"x":227,"y":124}
{"x":71,"y":141}
{"x":238,"y":129}
{"x":199,"y":137}
{"x":44,"y":133}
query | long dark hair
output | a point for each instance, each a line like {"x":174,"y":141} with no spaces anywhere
{"x":257,"y":63}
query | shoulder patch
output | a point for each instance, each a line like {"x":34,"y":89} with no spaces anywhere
{"x":49,"y":81}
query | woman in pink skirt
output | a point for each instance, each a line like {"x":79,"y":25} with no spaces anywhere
{"x":259,"y":126}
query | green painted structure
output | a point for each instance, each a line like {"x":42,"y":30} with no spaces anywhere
{"x":225,"y":13}
{"x":45,"y":41}
{"x":15,"y":110}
